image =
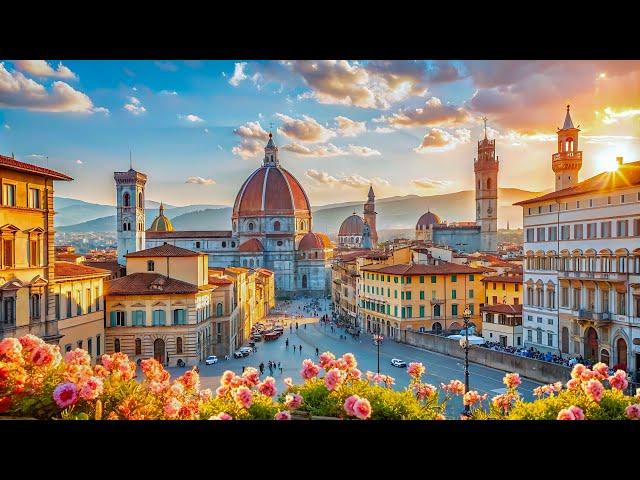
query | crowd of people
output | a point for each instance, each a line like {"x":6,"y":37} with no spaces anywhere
{"x":536,"y":354}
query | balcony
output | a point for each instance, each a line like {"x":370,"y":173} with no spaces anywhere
{"x":567,"y":156}
{"x":606,"y":276}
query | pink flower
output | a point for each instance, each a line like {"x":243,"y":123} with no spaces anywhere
{"x":633,"y":411}
{"x":472,"y":397}
{"x":30,"y":342}
{"x":282,"y":415}
{"x":619,"y":380}
{"x":512,"y":380}
{"x":226,"y":378}
{"x":557,"y":387}
{"x":325,"y":358}
{"x":11,"y":348}
{"x":594,"y":389}
{"x":172,"y":407}
{"x":388,"y":380}
{"x":349,"y":403}
{"x":221,"y":416}
{"x":288,"y":382}
{"x":221,"y":391}
{"x":243,"y":397}
{"x":65,"y":394}
{"x":573,"y":384}
{"x":362,"y":409}
{"x":601,"y":370}
{"x":190,"y":380}
{"x":293,"y":401}
{"x":340,"y":364}
{"x":176,"y":389}
{"x":251,"y":376}
{"x":77,"y":357}
{"x":42,"y":356}
{"x":309,"y":369}
{"x":415,"y":370}
{"x":577,"y":412}
{"x":503,"y":402}
{"x":268,"y":387}
{"x":156,"y":387}
{"x":205,"y":395}
{"x":350,"y":360}
{"x":424,"y":391}
{"x":440,"y":417}
{"x":91,"y":389}
{"x":577,"y":370}
{"x":355,"y":374}
{"x":237,"y":381}
{"x":566,"y":414}
{"x":455,"y":387}
{"x":333,"y":379}
{"x":106,"y":361}
{"x":587,"y":375}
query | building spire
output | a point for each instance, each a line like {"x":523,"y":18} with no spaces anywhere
{"x":485,"y":127}
{"x":161,"y":208}
{"x":568,"y":123}
{"x":130,"y":160}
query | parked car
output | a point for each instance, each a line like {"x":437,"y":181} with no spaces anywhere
{"x":211,"y":359}
{"x":238,"y":354}
{"x":246,"y":351}
{"x":396,"y":362}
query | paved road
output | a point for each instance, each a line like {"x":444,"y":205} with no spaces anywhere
{"x":440,"y":368}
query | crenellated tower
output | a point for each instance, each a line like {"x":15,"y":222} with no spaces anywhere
{"x":370,"y":215}
{"x":567,"y":162}
{"x":486,"y":167}
{"x":130,"y":212}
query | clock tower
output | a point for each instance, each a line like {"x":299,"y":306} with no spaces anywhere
{"x":486,"y":176}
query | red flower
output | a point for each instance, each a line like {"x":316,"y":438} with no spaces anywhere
{"x":5,"y":404}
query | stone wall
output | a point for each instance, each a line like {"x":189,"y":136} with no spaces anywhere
{"x":544,"y":372}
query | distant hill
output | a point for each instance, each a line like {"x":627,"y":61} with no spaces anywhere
{"x":394,"y":213}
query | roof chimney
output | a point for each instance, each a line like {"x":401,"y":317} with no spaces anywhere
{"x":619,"y":160}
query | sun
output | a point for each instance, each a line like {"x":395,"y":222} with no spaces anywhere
{"x":607,"y":164}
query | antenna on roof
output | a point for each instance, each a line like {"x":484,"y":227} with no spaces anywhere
{"x":12,"y":156}
{"x":130,"y":161}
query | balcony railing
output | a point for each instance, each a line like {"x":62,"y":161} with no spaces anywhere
{"x":591,"y":315}
{"x":567,"y":155}
{"x":610,"y":276}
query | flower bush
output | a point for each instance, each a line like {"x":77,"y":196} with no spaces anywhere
{"x":36,"y":380}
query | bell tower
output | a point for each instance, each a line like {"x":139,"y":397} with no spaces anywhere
{"x":271,"y":153}
{"x":486,"y":175}
{"x":370,"y":215}
{"x":566,"y":164}
{"x":130,"y":198}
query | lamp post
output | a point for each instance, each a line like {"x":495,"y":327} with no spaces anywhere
{"x":464,"y":343}
{"x":378,"y":339}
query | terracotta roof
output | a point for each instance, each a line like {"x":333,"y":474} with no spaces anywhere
{"x":14,"y":164}
{"x":219,"y":281}
{"x":264,"y":271}
{"x":189,"y":234}
{"x":352,"y":225}
{"x":503,"y":278}
{"x":420,"y":269}
{"x":165,"y":250}
{"x":427,"y":219}
{"x":252,"y":245}
{"x":313,"y":240}
{"x":148,"y":284}
{"x":236,"y":269}
{"x":349,"y":255}
{"x":627,"y":175}
{"x":68,"y":269}
{"x":270,"y":190}
{"x":503,"y":308}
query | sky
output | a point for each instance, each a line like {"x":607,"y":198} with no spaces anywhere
{"x":198,"y":128}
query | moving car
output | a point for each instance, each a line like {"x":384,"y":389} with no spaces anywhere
{"x":238,"y":354}
{"x":211,"y":359}
{"x":396,"y":362}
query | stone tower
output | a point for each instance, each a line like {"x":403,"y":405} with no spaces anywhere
{"x":370,"y":215}
{"x":567,"y":162}
{"x":366,"y":237}
{"x":486,"y":170}
{"x":130,"y":212}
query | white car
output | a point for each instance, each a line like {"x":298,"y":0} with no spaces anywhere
{"x":396,"y":362}
{"x":246,"y":350}
{"x":238,"y":354}
{"x":211,"y":359}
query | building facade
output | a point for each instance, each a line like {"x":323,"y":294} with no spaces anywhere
{"x":502,"y":310}
{"x":352,"y":230}
{"x":486,"y":167}
{"x":130,"y":221}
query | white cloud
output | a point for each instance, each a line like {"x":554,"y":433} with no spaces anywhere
{"x":220,"y":148}
{"x":252,"y":140}
{"x":351,"y":181}
{"x":190,"y":118}
{"x":384,"y":130}
{"x":238,"y":74}
{"x":361,"y":151}
{"x":38,"y":156}
{"x":206,"y":130}
{"x":79,"y":162}
{"x":18,"y":91}
{"x":168,"y":92}
{"x":41,"y":68}
{"x":134,"y":106}
{"x":349,"y":128}
{"x":200,"y":181}
{"x":324,"y":150}
{"x":166,"y":66}
{"x":610,"y":116}
{"x":440,"y":140}
{"x":429,"y":183}
{"x":306,"y":129}
{"x":7,"y":126}
{"x":100,"y":110}
{"x":433,"y":113}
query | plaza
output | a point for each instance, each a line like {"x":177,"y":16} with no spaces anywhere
{"x":439,"y":368}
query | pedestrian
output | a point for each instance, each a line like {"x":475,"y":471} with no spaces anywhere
{"x":317,"y":351}
{"x":280,"y":369}
{"x":261,"y":368}
{"x":300,"y":348}
{"x":286,"y":343}
{"x":278,"y":364}
{"x":242,"y":368}
{"x":294,"y":349}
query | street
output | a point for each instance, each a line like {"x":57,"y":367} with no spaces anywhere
{"x":439,"y":368}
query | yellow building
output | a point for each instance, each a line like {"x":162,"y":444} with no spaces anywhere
{"x":502,"y":310}
{"x":225,"y":313}
{"x":26,"y":250}
{"x":162,"y":307}
{"x":420,"y":297}
{"x":503,"y":289}
{"x":244,"y":285}
{"x":78,"y":307}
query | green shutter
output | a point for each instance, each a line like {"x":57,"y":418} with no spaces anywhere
{"x":112,"y":316}
{"x":421,"y":311}
{"x":433,"y":279}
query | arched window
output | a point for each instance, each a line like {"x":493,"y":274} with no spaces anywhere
{"x":244,"y":262}
{"x":151,"y":266}
{"x":250,"y":226}
{"x":251,"y":262}
{"x":478,"y":184}
{"x":316,"y":254}
{"x":219,"y":310}
{"x":304,"y":281}
{"x":233,"y":244}
{"x":35,"y":305}
{"x":436,"y":310}
{"x":126,"y":199}
{"x":197,"y":244}
{"x":138,"y":346}
{"x":179,"y":345}
{"x":279,"y":243}
{"x":569,"y":145}
{"x":224,"y":244}
{"x":276,"y":226}
{"x":116,"y":345}
{"x":124,"y":227}
{"x":140,"y":203}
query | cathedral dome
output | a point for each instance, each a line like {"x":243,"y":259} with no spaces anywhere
{"x":271,"y":190}
{"x":161,"y":223}
{"x":353,"y":225}
{"x":314,"y":241}
{"x":427,"y":220}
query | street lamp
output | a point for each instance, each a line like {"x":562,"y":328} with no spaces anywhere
{"x":464,"y":343}
{"x":378,"y":340}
